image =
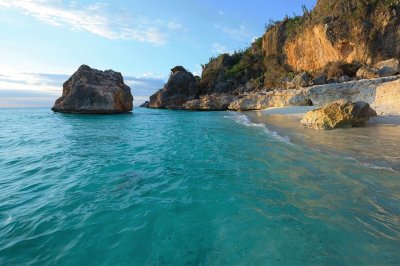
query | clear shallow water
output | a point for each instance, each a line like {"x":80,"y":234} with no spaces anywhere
{"x":377,"y":145}
{"x":184,"y":188}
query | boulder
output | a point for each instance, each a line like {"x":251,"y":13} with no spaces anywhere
{"x":213,"y":102}
{"x":300,"y":81}
{"x":250,"y":102}
{"x":320,"y":80}
{"x":180,"y":88}
{"x":367,"y":72}
{"x":388,"y":67}
{"x":92,"y":91}
{"x":339,"y":114}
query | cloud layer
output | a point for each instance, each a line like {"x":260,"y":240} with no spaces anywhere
{"x":94,"y":19}
{"x":41,"y":90}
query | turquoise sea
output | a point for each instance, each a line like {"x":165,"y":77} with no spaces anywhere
{"x":160,"y":187}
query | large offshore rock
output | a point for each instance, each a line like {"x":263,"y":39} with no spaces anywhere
{"x":91,"y":91}
{"x":339,"y":114}
{"x":213,"y":102}
{"x":180,"y":88}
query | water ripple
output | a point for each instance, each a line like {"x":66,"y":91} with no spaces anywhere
{"x":171,"y":188}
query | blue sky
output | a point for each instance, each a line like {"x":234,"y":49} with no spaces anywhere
{"x":45,"y":41}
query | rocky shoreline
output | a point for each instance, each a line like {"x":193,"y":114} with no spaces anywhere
{"x":339,"y":103}
{"x":345,"y":50}
{"x":377,"y":91}
{"x":328,"y":54}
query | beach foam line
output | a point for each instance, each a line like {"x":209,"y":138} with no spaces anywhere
{"x":245,"y":121}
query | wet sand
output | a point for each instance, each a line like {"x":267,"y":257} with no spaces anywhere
{"x":377,"y":145}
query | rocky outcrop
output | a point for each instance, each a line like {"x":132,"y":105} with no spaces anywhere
{"x":180,"y":88}
{"x":279,"y":98}
{"x":340,"y":30}
{"x":92,"y":91}
{"x":359,"y":90}
{"x":329,"y":48}
{"x":375,"y":92}
{"x":213,"y":102}
{"x":339,"y":114}
{"x":367,"y":72}
{"x":299,"y":81}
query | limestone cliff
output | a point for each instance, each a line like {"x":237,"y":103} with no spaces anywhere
{"x":363,"y":31}
{"x":322,"y":41}
{"x":337,"y":44}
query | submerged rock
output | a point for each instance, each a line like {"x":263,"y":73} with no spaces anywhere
{"x":339,"y":114}
{"x":180,"y":88}
{"x":91,"y":91}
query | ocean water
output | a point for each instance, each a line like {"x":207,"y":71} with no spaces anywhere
{"x":159,"y":187}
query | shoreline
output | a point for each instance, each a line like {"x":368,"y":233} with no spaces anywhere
{"x":375,"y":144}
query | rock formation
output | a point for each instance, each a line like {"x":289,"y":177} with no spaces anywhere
{"x":378,"y":91}
{"x":388,"y":67}
{"x":339,"y":114}
{"x":278,"y":98}
{"x":338,"y":30}
{"x":213,"y":102}
{"x":92,"y":91}
{"x":343,"y":49}
{"x":180,"y":88}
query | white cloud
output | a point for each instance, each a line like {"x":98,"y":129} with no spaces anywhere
{"x":173,"y":25}
{"x":198,"y":70}
{"x":239,"y":32}
{"x":218,"y":48}
{"x":41,"y":90}
{"x":221,"y":13}
{"x":96,"y":20}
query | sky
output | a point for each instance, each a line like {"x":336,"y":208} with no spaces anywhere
{"x":43,"y":42}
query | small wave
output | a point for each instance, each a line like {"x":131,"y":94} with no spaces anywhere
{"x":245,"y":121}
{"x":377,"y":167}
{"x":372,"y":166}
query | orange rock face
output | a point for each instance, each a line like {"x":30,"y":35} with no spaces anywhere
{"x":312,"y":50}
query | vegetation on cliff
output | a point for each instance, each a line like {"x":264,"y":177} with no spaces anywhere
{"x":337,"y":41}
{"x":334,"y":40}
